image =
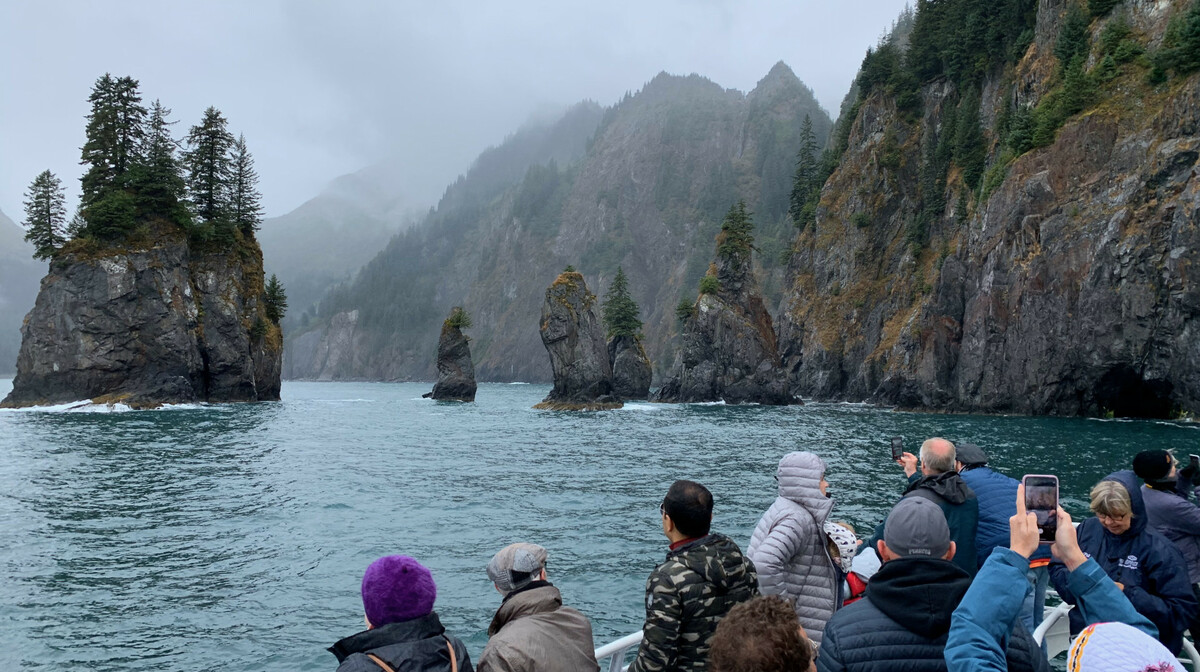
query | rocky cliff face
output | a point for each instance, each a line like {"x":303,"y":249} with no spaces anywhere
{"x":574,"y":338}
{"x":456,"y":373}
{"x":149,"y":326}
{"x":631,"y":368}
{"x":645,"y":190}
{"x":1068,"y":288}
{"x":729,"y":351}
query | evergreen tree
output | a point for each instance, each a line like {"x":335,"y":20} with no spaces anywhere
{"x":620,"y":310}
{"x":459,"y":318}
{"x":806,"y":181}
{"x":1073,"y":37}
{"x":157,"y":181}
{"x":245,"y":206}
{"x":45,"y":215}
{"x":275,"y":299}
{"x":209,"y":170}
{"x":111,"y":149}
{"x":970,"y":147}
{"x":736,"y":239}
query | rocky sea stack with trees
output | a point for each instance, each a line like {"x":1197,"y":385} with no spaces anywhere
{"x":456,"y":373}
{"x":574,"y":338}
{"x":156,"y":291}
{"x":728,"y":352}
{"x":630,"y":366}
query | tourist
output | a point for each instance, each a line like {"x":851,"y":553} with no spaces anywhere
{"x":703,"y":577}
{"x":532,"y":631}
{"x":1145,"y":565}
{"x":762,"y":635}
{"x":994,"y":601}
{"x":788,"y":547}
{"x":403,"y":632}
{"x":906,"y":613}
{"x":995,"y":493}
{"x":1170,"y":511}
{"x":939,"y":482}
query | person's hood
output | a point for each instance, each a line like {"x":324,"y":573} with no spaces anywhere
{"x":716,"y":559}
{"x":919,"y":593}
{"x":800,"y":477}
{"x":1132,"y":484}
{"x":393,"y":633}
{"x":948,"y":485}
{"x":538,"y":597}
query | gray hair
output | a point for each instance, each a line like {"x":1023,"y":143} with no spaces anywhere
{"x":1111,"y":499}
{"x":937,"y":455}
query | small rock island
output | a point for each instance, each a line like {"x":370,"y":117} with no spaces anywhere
{"x":630,"y":366}
{"x":574,"y":338}
{"x":729,"y":351}
{"x":456,"y":372}
{"x":156,"y":291}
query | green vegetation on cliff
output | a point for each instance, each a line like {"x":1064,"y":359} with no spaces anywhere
{"x":620,"y":311}
{"x":45,"y":215}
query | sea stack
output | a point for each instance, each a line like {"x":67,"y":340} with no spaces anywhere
{"x":729,"y":352}
{"x":456,"y":373}
{"x":166,"y":323}
{"x":630,"y":367}
{"x":574,"y":338}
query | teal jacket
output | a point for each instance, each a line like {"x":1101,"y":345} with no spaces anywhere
{"x":980,"y":626}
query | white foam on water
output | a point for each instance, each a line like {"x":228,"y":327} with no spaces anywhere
{"x":518,"y":383}
{"x":89,"y":407}
{"x":643,"y":407}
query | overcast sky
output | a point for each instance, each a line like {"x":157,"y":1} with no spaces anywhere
{"x":321,"y":89}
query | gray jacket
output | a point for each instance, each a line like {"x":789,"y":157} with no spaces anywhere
{"x":788,"y":546}
{"x":533,"y":631}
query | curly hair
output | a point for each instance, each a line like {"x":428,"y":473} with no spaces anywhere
{"x":761,"y":635}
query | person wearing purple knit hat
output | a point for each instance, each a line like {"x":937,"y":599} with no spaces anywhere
{"x":403,"y":632}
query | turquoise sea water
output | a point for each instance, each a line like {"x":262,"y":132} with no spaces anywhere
{"x":234,"y":537}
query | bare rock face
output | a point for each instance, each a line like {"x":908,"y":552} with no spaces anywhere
{"x":729,"y":352}
{"x":574,"y":338}
{"x":631,"y":367}
{"x":456,"y":373}
{"x":149,"y":327}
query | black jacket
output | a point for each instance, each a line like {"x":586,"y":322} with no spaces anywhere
{"x":958,"y":502}
{"x":418,"y":645}
{"x":902,"y":624}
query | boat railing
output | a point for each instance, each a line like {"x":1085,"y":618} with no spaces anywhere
{"x":1055,"y":631}
{"x":615,"y":652}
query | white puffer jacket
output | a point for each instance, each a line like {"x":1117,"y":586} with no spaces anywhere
{"x":788,"y":546}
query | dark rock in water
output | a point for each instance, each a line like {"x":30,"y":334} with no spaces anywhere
{"x":456,"y":373}
{"x":729,"y":352}
{"x":148,"y":327}
{"x":574,"y":338}
{"x":630,"y":366}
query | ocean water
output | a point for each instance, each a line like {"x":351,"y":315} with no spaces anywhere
{"x":234,"y":537}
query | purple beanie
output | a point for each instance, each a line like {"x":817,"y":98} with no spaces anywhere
{"x":397,"y":588}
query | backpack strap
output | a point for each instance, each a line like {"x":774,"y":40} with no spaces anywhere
{"x":379,"y":661}
{"x":453,"y":656}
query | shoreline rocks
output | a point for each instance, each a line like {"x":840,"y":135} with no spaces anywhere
{"x":456,"y":373}
{"x":574,"y":339}
{"x":631,"y":368}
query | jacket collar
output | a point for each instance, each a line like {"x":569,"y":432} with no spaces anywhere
{"x":392,"y":633}
{"x":919,"y":594}
{"x":948,"y":485}
{"x":538,"y":597}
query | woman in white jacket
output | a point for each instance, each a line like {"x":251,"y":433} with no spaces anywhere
{"x":788,"y":547}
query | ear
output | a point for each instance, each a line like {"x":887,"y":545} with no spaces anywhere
{"x":885,"y":555}
{"x":950,"y":553}
{"x":542,"y":576}
{"x":368,"y":622}
{"x":668,"y":524}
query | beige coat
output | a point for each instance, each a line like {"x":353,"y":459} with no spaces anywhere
{"x":533,"y":632}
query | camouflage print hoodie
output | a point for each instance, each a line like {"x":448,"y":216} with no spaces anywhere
{"x":686,"y":597}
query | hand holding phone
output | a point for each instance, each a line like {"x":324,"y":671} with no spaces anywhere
{"x":897,"y":448}
{"x":1041,"y":499}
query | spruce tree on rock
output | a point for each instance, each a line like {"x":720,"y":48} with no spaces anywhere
{"x":209,"y":171}
{"x":275,"y":299}
{"x":157,"y":182}
{"x":245,"y":202}
{"x":806,"y":187}
{"x":112,"y":147}
{"x":45,"y":215}
{"x":620,"y":311}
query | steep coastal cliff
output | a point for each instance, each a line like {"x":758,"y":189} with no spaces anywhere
{"x":574,"y":339}
{"x":1063,"y":282}
{"x":157,"y":324}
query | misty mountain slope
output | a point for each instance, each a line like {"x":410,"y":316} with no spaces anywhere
{"x":20,"y":275}
{"x":657,"y":177}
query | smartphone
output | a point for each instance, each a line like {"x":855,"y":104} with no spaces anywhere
{"x":1194,"y":462}
{"x":1041,"y":499}
{"x":897,"y":448}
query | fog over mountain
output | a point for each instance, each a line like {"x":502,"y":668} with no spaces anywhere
{"x":326,"y":89}
{"x":20,"y":274}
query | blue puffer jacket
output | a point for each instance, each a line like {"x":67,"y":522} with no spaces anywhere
{"x":1145,"y":562}
{"x":1175,"y":517}
{"x":982,"y":621}
{"x":902,"y":624}
{"x":997,"y":496}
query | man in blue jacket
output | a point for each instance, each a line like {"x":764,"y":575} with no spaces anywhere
{"x":1170,"y":510}
{"x":996,"y":494}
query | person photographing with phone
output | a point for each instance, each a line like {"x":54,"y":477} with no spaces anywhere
{"x":1145,"y":565}
{"x":1170,"y":510}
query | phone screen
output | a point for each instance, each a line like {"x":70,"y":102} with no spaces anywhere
{"x":897,"y":447}
{"x":1041,"y":499}
{"x":1194,"y":460}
